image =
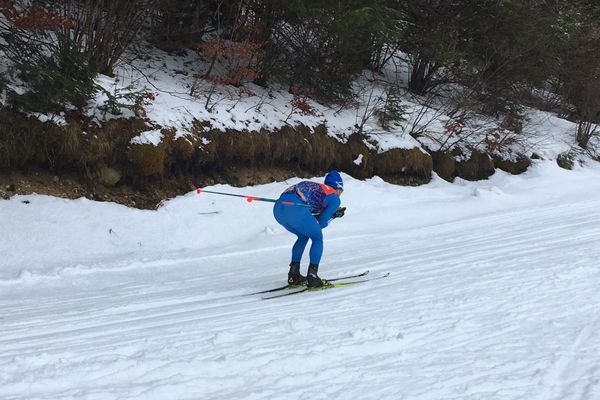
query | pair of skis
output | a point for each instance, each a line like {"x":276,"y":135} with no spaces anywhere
{"x":331,"y":283}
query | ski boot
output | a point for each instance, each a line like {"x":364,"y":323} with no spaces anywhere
{"x":313,"y":280}
{"x":294,"y":277}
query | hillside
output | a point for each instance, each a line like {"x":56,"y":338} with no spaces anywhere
{"x":174,"y":143}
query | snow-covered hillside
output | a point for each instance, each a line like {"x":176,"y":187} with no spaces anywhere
{"x":182,"y":98}
{"x":492,"y":294}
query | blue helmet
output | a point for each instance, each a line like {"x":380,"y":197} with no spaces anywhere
{"x":334,"y":179}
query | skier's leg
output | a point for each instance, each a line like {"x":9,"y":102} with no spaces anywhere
{"x":298,"y":248}
{"x":316,"y":248}
{"x":288,"y":216}
{"x":299,"y":244}
{"x":311,"y":228}
{"x":294,"y":275}
{"x":308,"y":226}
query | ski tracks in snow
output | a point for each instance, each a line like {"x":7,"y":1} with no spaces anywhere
{"x":496,"y":307}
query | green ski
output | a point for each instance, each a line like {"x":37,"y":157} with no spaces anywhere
{"x":326,"y":287}
{"x":303,"y":285}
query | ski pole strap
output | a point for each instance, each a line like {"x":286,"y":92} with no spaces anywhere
{"x":250,"y":199}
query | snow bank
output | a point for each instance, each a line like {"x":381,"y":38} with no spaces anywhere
{"x":492,"y":294}
{"x":47,"y":237}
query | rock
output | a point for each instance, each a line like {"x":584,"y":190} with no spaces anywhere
{"x":444,"y":165}
{"x":410,"y":166}
{"x":479,"y":166}
{"x":109,"y":176}
{"x":518,"y":166}
{"x":566,"y":160}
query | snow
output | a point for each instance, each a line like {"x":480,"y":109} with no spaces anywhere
{"x":153,"y":137}
{"x":358,"y":160}
{"x":549,"y":134}
{"x":492,"y":294}
{"x":182,"y":98}
{"x":390,"y":140}
{"x":54,"y":118}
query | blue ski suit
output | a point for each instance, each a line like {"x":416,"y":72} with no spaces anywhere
{"x":307,"y":222}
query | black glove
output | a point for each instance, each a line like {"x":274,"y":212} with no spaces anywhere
{"x":339,"y":213}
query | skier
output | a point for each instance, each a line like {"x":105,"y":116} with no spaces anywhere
{"x":308,"y":222}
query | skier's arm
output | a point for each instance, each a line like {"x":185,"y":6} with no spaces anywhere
{"x":332,"y":202}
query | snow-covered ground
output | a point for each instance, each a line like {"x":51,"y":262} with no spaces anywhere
{"x":182,"y":98}
{"x":492,"y":294}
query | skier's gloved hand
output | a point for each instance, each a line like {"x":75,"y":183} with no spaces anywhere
{"x":339,"y":213}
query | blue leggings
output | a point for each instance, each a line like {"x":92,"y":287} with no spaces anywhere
{"x":300,"y":222}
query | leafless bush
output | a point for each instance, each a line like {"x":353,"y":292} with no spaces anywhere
{"x":101,"y":29}
{"x":104,"y":28}
{"x":581,"y":88}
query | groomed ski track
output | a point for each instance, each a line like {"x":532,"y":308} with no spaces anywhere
{"x":501,"y":304}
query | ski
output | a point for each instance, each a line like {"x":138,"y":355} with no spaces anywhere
{"x":329,"y":286}
{"x":303,"y":285}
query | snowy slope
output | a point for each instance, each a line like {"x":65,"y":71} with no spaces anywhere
{"x":171,"y":78}
{"x":493,"y":294}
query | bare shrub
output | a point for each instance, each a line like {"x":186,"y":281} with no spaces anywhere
{"x":581,"y":88}
{"x":101,"y":29}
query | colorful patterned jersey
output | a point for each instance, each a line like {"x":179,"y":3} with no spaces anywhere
{"x":312,"y":193}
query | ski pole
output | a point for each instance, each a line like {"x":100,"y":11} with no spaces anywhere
{"x":250,"y":199}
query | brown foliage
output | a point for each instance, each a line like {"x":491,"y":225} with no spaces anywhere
{"x":455,"y":127}
{"x":238,"y":60}
{"x":300,"y":100}
{"x":32,"y":18}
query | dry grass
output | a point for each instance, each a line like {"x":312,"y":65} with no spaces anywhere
{"x":311,"y":152}
{"x":478,"y":166}
{"x":206,"y":153}
{"x":207,"y":156}
{"x":148,"y":159}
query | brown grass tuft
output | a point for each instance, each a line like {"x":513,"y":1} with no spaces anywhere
{"x":478,"y":166}
{"x":148,"y":159}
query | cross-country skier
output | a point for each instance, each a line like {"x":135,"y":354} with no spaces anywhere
{"x":308,"y":222}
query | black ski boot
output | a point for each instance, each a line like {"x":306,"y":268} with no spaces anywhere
{"x":312,"y":277}
{"x":294,"y":277}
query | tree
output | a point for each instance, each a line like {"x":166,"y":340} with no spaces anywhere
{"x":322,"y":45}
{"x":51,"y":65}
{"x":180,"y":24}
{"x":58,"y":47}
{"x":510,"y":43}
{"x":581,"y":71}
{"x":430,"y":39}
{"x":101,"y":29}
